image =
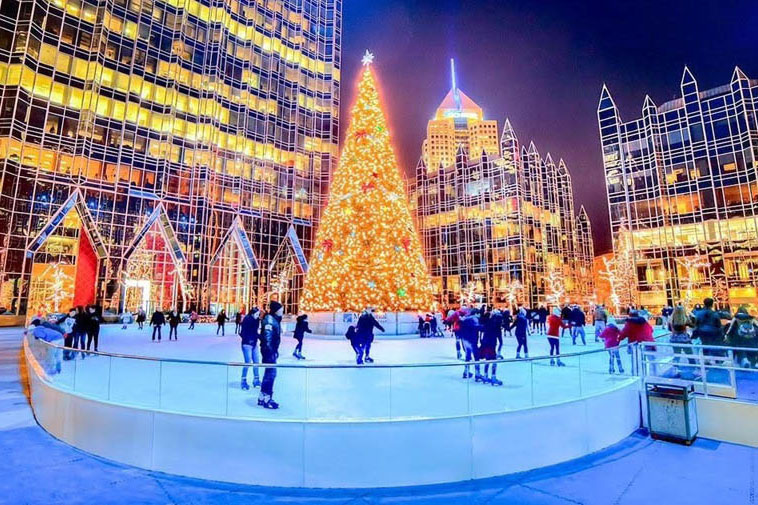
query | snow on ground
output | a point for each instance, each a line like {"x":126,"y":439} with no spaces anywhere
{"x":314,"y":389}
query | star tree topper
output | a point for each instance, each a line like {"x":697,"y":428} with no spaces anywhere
{"x":368,"y":58}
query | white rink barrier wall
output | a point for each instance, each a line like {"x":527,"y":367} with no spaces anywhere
{"x":335,"y":453}
{"x":337,"y":323}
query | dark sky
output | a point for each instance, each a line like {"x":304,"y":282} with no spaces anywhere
{"x":542,"y":64}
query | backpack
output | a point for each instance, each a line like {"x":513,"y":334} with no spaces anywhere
{"x":746,"y":329}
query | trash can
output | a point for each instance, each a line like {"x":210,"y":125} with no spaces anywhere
{"x":671,"y":413}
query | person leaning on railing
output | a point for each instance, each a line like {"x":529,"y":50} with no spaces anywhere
{"x":743,"y":332}
{"x":708,"y":327}
{"x":52,"y":333}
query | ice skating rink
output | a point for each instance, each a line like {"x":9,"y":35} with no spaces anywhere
{"x":410,"y":379}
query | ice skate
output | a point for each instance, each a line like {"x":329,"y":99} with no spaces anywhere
{"x":552,"y":362}
{"x":466,"y":375}
{"x":480,"y":378}
{"x":244,"y":385}
{"x":526,"y":355}
{"x":256,"y":383}
{"x":611,"y":370}
{"x":561,"y":363}
{"x":271,"y":405}
{"x":369,"y":360}
{"x":621,"y":370}
{"x":495,"y":381}
{"x":518,"y":356}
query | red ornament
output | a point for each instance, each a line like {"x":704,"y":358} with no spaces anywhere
{"x":327,"y":244}
{"x":367,"y":187}
{"x":406,"y":243}
{"x":361,"y":134}
{"x":375,"y":175}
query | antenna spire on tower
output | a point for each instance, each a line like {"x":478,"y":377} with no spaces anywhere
{"x":456,"y":95}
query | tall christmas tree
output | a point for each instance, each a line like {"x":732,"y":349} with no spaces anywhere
{"x":367,"y":252}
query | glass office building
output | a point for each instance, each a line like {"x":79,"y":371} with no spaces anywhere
{"x":502,"y":228}
{"x":682,"y":183}
{"x":163,"y":153}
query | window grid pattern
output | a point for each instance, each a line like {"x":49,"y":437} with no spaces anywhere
{"x":683,"y":179}
{"x":494,"y":220}
{"x":214,"y":109}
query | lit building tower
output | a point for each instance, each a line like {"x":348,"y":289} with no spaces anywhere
{"x":492,"y":226}
{"x":165,"y":153}
{"x":682,"y":188}
{"x":585,"y":254}
{"x":458,"y":121}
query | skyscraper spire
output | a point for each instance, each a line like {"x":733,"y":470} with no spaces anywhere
{"x":454,"y":84}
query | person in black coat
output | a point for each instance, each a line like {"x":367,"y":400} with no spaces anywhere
{"x":221,"y":318}
{"x":271,"y":337}
{"x":173,"y":324}
{"x":81,"y":324}
{"x":301,"y":328}
{"x":250,"y":354}
{"x":93,"y":326}
{"x":350,"y":335}
{"x":157,"y":321}
{"x":364,"y":333}
{"x":237,"y":322}
{"x":141,"y":316}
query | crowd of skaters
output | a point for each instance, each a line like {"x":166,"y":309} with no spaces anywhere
{"x":479,"y":334}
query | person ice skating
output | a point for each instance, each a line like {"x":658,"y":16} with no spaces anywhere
{"x":578,"y":321}
{"x":566,"y":318}
{"x":611,"y":337}
{"x":67,"y":322}
{"x":541,"y":325}
{"x":221,"y":319}
{"x":93,"y":326}
{"x":351,"y":337}
{"x":507,"y":322}
{"x":708,"y":327}
{"x":250,"y":354}
{"x":81,"y":323}
{"x":487,"y":346}
{"x":237,"y":322}
{"x":469,"y":331}
{"x":271,"y":337}
{"x":743,"y":332}
{"x":521,"y":327}
{"x":599,"y":320}
{"x":193,"y":320}
{"x":126,"y":319}
{"x":554,"y":326}
{"x":420,"y":326}
{"x":301,"y":328}
{"x":365,"y":333}
{"x":157,"y":321}
{"x":173,"y":324}
{"x":141,"y":318}
{"x":454,"y":321}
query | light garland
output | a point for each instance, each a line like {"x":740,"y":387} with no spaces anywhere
{"x":367,"y":252}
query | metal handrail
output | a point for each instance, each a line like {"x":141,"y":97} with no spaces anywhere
{"x":334,"y":365}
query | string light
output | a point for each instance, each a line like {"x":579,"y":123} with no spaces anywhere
{"x":366,"y":231}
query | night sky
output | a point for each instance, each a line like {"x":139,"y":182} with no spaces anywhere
{"x":542,"y":64}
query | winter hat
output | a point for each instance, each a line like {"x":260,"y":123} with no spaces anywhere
{"x":274,"y":306}
{"x":557,"y":312}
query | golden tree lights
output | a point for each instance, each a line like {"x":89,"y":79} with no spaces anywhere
{"x":367,"y":252}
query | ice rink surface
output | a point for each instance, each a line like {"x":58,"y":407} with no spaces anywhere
{"x":315,"y":390}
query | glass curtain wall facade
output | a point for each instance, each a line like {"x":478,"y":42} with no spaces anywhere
{"x":500,"y":227}
{"x":162,"y":124}
{"x":682,"y":182}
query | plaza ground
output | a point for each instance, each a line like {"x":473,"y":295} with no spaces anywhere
{"x":38,"y":469}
